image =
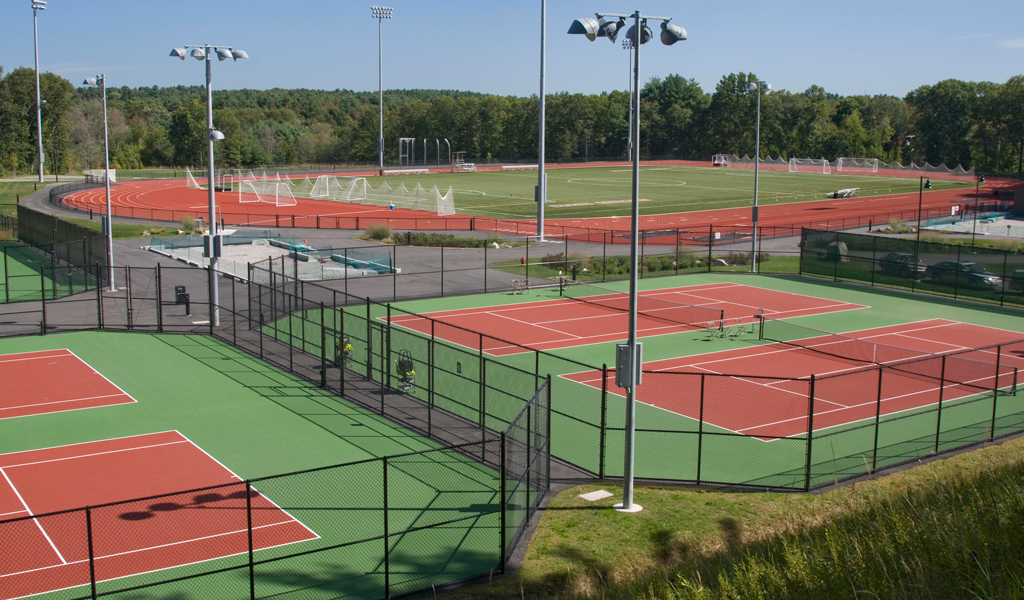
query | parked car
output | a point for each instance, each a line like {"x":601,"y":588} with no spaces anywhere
{"x":964,"y":274}
{"x":902,"y":264}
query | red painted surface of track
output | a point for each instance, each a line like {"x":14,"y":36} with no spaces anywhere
{"x":767,"y":402}
{"x":564,"y":323}
{"x":36,"y":383}
{"x":50,"y":553}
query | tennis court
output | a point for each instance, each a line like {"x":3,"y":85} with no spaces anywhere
{"x":48,"y":554}
{"x":771,"y":389}
{"x":588,"y":314}
{"x":53,"y":381}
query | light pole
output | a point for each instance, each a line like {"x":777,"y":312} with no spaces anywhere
{"x":759,"y":85}
{"x":38,"y":5}
{"x":910,"y":151}
{"x":212,"y":246}
{"x":627,"y":44}
{"x":108,"y":225}
{"x":628,"y":364}
{"x":977,"y":184}
{"x":380,"y":13}
{"x":540,"y":195}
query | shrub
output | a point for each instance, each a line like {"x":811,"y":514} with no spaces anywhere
{"x":897,"y":226}
{"x":378,"y":231}
{"x":188,"y":225}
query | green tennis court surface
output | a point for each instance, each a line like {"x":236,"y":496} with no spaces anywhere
{"x":258,"y":421}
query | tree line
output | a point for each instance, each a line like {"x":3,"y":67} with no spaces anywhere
{"x":952,"y":122}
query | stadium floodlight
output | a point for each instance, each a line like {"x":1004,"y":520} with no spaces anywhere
{"x":108,"y":226}
{"x":610,"y":29}
{"x":585,"y":26}
{"x":201,"y":52}
{"x":629,"y":365}
{"x":754,"y":85}
{"x":380,"y":13}
{"x":38,"y":5}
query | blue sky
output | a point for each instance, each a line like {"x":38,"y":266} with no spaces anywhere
{"x":872,"y":46}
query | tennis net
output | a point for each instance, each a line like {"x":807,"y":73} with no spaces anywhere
{"x":975,"y":367}
{"x":676,"y":313}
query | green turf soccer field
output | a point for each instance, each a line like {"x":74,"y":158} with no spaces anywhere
{"x":576,"y":192}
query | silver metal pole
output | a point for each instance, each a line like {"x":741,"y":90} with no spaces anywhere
{"x":211,"y":200}
{"x":627,"y":470}
{"x":39,"y":101}
{"x":106,"y":180}
{"x":380,"y":94}
{"x":628,"y":45}
{"x":757,"y":161}
{"x":438,"y":142}
{"x":542,"y":192}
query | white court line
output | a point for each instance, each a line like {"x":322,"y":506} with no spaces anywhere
{"x":29,"y":511}
{"x":104,"y":378}
{"x":63,"y":402}
{"x":535,"y":325}
{"x":11,"y":360}
{"x":52,"y":460}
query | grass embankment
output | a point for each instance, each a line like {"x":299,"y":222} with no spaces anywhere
{"x":9,"y":193}
{"x":129,"y":230}
{"x":949,"y":529}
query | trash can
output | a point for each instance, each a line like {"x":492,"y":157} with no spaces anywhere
{"x":180,"y":296}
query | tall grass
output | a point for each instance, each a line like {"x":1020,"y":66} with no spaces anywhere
{"x":950,"y":529}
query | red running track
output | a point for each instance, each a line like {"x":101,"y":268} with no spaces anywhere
{"x":49,"y":553}
{"x":767,"y":400}
{"x":564,"y":323}
{"x":170,"y":200}
{"x":51,"y":381}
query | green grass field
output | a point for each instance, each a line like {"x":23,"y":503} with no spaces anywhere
{"x":577,"y":192}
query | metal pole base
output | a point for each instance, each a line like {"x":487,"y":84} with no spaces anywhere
{"x":635,"y":508}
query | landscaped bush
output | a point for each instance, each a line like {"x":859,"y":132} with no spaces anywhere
{"x":378,"y":231}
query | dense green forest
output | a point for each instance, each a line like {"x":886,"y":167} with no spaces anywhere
{"x":952,"y":122}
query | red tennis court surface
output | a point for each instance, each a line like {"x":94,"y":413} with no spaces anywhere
{"x":53,"y":381}
{"x":50,"y":553}
{"x":764,"y":401}
{"x":564,"y":323}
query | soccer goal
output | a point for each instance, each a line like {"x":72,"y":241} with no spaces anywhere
{"x":269,"y":192}
{"x":856,"y":165}
{"x":190,"y":181}
{"x":720,"y":160}
{"x":809,"y":165}
{"x":339,"y":189}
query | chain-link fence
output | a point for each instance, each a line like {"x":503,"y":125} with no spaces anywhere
{"x":958,"y":271}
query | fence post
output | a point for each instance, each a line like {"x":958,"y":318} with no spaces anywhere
{"x":7,"y":282}
{"x":342,"y":341}
{"x":942,"y":387}
{"x":485,"y":270}
{"x":482,"y":401}
{"x":810,"y":435}
{"x":442,"y":268}
{"x":711,"y":243}
{"x":547,"y":435}
{"x":504,"y":506}
{"x":529,"y":460}
{"x":128,"y":299}
{"x":956,"y":277}
{"x":878,"y":418}
{"x":387,"y":347}
{"x":430,"y":377}
{"x":604,"y":255}
{"x":289,"y":312}
{"x":92,"y":552}
{"x":159,"y":300}
{"x":248,"y":519}
{"x":42,"y":297}
{"x":527,"y":260}
{"x":838,"y":259}
{"x":1002,"y":290}
{"x":369,"y":342}
{"x":677,"y":250}
{"x":323,"y":348}
{"x":995,"y":392}
{"x":604,"y":420}
{"x":700,"y":426}
{"x":387,"y":541}
{"x":803,"y":242}
{"x":394,"y":276}
{"x":874,"y":257}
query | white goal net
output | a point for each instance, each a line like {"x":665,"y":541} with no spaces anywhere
{"x":277,"y":193}
{"x":357,"y":190}
{"x":721,"y":160}
{"x":190,"y":181}
{"x":856,"y":165}
{"x":809,"y":165}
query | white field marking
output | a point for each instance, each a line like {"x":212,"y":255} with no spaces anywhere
{"x":154,"y":570}
{"x":3,"y":358}
{"x":62,"y":402}
{"x":16,"y":512}
{"x":873,"y":402}
{"x":223,"y":466}
{"x":29,"y":511}
{"x":104,"y":378}
{"x":500,"y":316}
{"x":53,"y":460}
